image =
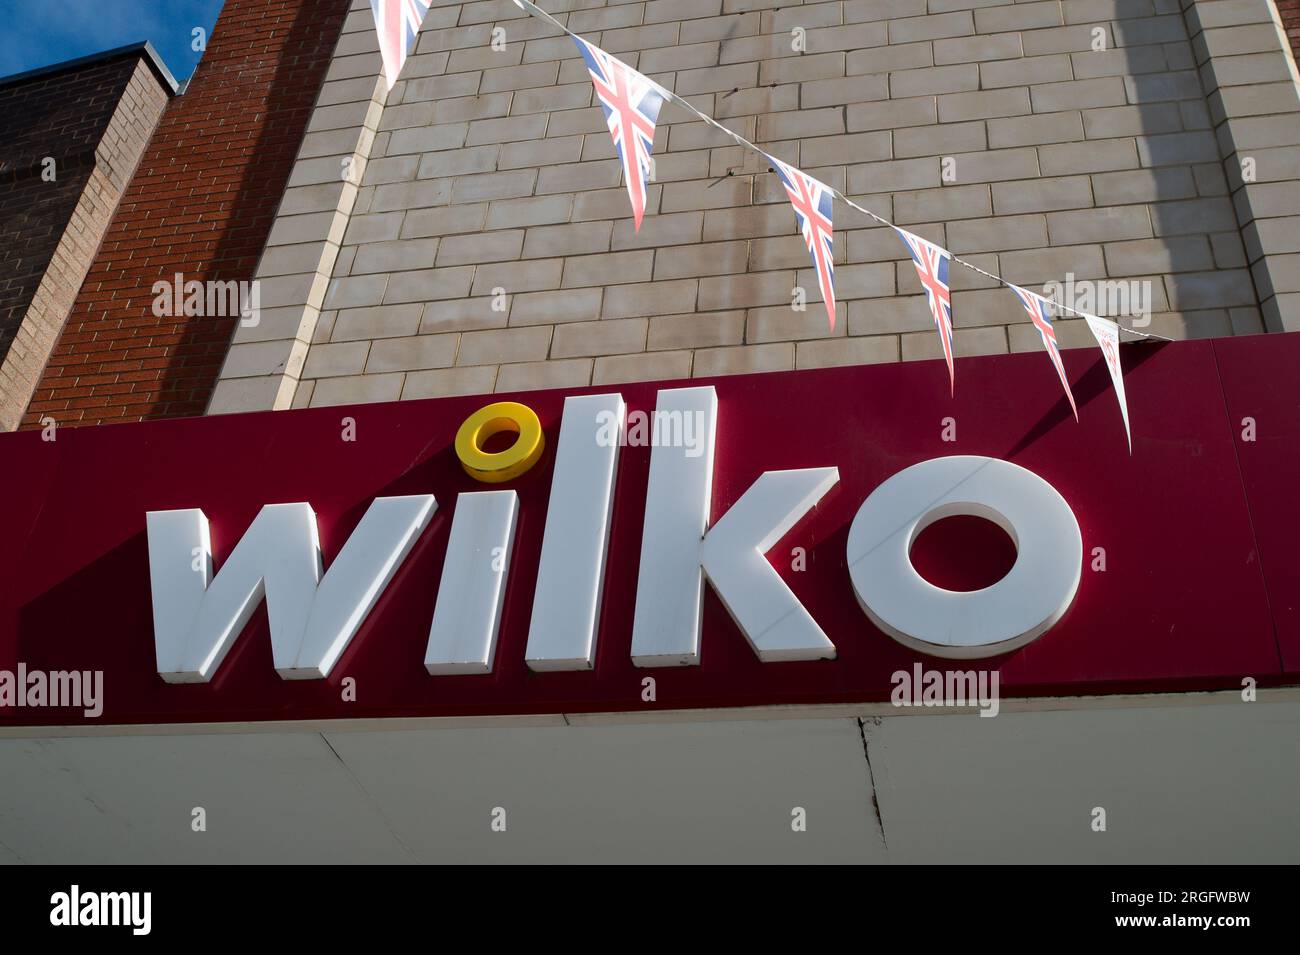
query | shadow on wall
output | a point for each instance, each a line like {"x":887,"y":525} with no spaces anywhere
{"x":1206,"y":287}
{"x":286,"y":105}
{"x":1192,"y":273}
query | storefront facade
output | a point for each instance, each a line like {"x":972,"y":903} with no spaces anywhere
{"x":693,"y":614}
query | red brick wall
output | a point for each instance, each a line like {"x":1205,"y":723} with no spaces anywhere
{"x":201,"y":203}
{"x":50,"y":232}
{"x":1290,"y":10}
{"x":62,"y":115}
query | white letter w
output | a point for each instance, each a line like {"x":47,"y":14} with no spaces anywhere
{"x":312,"y":620}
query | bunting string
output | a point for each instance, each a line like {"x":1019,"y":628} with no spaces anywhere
{"x":667,"y":94}
{"x":631,"y":103}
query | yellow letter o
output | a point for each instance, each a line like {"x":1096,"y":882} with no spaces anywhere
{"x":503,"y":465}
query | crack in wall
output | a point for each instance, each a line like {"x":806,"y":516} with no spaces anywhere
{"x":871,"y":777}
{"x":383,"y":816}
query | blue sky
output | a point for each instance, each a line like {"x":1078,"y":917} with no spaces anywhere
{"x":38,"y":33}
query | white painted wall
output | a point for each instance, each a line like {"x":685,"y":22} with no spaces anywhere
{"x":1191,"y":782}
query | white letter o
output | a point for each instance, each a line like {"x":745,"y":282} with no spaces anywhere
{"x":1021,"y":606}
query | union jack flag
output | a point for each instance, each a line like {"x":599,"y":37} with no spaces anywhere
{"x":1037,"y":307}
{"x":1107,"y":334}
{"x":631,"y":103}
{"x":398,"y":24}
{"x":813,"y":204}
{"x":932,"y":268}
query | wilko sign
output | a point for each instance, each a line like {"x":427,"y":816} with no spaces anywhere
{"x":197,"y":617}
{"x":742,"y":541}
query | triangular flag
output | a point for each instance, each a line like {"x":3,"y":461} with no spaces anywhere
{"x":813,"y":206}
{"x":631,"y":103}
{"x":1038,"y":309}
{"x":398,"y":25}
{"x":932,"y":268}
{"x":1107,"y":334}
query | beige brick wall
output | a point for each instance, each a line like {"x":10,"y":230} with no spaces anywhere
{"x":490,"y":180}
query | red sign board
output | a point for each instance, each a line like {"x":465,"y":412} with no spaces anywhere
{"x":1200,"y":586}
